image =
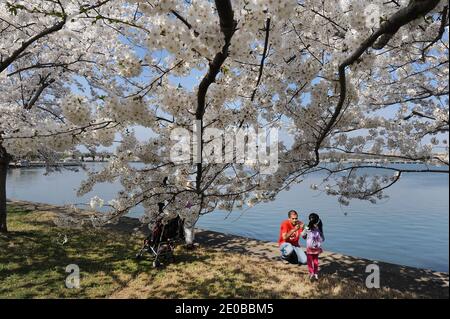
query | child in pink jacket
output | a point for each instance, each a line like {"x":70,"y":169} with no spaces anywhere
{"x":313,"y":234}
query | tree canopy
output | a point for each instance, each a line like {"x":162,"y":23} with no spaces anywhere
{"x":349,"y":77}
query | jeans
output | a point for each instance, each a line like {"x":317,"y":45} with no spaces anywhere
{"x":287,"y":249}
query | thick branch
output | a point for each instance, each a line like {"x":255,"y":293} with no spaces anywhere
{"x":228,"y":27}
{"x":440,"y":34}
{"x":414,"y":10}
{"x":377,"y":40}
{"x":7,"y":62}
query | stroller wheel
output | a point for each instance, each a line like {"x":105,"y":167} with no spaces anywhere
{"x":138,"y":256}
{"x":156,"y":264}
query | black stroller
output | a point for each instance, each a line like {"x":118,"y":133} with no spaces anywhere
{"x":161,"y":242}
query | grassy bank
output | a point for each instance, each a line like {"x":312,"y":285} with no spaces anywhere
{"x":33,"y":262}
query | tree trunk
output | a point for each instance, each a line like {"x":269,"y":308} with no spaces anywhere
{"x":4,"y":161}
{"x":189,"y":234}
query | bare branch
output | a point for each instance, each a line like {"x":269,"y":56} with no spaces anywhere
{"x":264,"y":55}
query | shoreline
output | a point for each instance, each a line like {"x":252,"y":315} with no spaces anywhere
{"x":131,"y":224}
{"x":399,"y":277}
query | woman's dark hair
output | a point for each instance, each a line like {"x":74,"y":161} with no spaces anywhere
{"x":314,"y":219}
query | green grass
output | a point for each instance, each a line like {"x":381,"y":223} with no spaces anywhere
{"x":33,"y":260}
{"x":33,"y":263}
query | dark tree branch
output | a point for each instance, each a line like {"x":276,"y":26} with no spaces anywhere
{"x":415,"y":113}
{"x":182,"y":19}
{"x":52,"y":113}
{"x":399,"y":170}
{"x":297,"y":93}
{"x":290,"y":59}
{"x":158,"y":118}
{"x":326,"y":18}
{"x":7,"y":62}
{"x":228,"y":27}
{"x":330,"y":20}
{"x":306,"y":47}
{"x":50,"y":65}
{"x":43,"y":84}
{"x":426,"y":96}
{"x":74,"y":131}
{"x":377,"y":40}
{"x":85,"y":8}
{"x":149,"y":87}
{"x":440,"y":34}
{"x":264,"y":56}
{"x":414,"y":10}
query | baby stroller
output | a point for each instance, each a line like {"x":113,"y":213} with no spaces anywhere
{"x":162,"y":240}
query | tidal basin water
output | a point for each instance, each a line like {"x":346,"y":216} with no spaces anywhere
{"x":410,"y":228}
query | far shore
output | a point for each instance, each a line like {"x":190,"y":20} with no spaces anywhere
{"x":415,"y":282}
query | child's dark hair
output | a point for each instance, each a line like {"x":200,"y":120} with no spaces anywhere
{"x":314,"y":219}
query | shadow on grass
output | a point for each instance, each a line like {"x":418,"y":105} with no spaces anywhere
{"x":419,"y":281}
{"x":33,"y":262}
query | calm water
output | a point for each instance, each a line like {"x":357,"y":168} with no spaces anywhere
{"x":410,"y":228}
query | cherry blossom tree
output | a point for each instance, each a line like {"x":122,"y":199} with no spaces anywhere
{"x":345,"y":78}
{"x":359,"y":78}
{"x":56,"y":62}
